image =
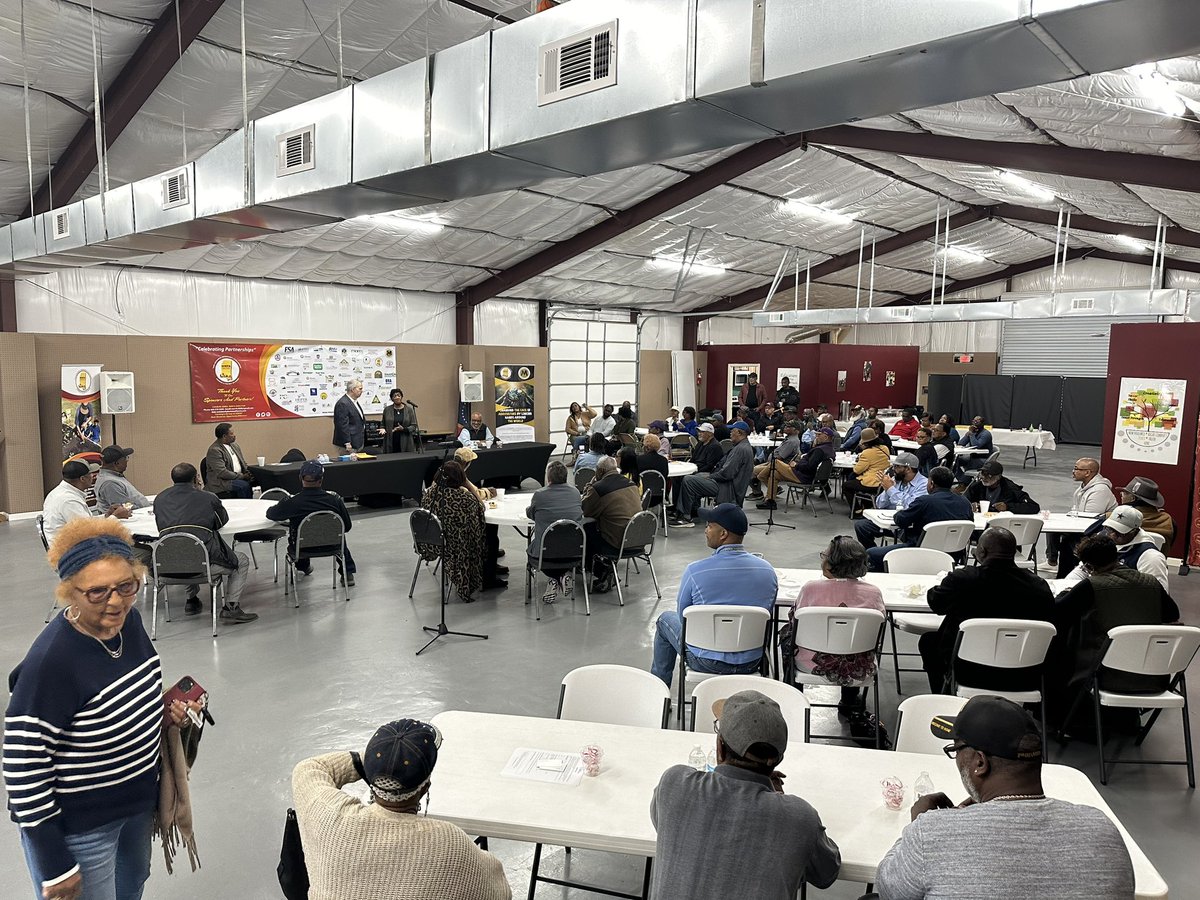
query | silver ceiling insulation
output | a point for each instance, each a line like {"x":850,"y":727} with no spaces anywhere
{"x":295,"y":50}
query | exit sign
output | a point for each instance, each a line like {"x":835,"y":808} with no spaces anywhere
{"x":964,"y":357}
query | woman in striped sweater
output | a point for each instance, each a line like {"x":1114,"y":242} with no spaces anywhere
{"x":83,"y":726}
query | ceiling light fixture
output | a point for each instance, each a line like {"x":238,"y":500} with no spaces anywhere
{"x":405,"y":223}
{"x":692,"y":268}
{"x":1027,"y":187}
{"x":963,"y":255}
{"x":1154,"y":89}
{"x":1137,"y":245}
{"x":812,"y":211}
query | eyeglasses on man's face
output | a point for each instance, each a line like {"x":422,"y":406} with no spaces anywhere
{"x":952,"y":750}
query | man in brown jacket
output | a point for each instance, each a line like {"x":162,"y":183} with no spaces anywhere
{"x":611,"y":500}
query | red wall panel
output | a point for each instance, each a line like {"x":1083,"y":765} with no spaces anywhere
{"x":769,"y":357}
{"x":1152,"y":350}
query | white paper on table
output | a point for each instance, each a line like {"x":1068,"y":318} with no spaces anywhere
{"x":524,"y":764}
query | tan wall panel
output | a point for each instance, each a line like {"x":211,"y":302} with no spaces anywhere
{"x":654,"y":385}
{"x":21,"y":444}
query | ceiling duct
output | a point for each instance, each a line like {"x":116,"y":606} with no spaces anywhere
{"x":639,"y":81}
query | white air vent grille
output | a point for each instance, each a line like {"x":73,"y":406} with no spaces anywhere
{"x":62,"y":225}
{"x":175,"y":190}
{"x":900,"y":312}
{"x":776,"y":318}
{"x":294,"y":151}
{"x":580,"y":64}
{"x":1083,"y":304}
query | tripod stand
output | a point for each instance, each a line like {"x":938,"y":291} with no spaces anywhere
{"x":428,"y":530}
{"x":772,"y":485}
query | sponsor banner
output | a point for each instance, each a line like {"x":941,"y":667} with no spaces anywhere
{"x":238,"y":382}
{"x":1148,"y":411}
{"x":514,"y":399}
{"x":82,"y":437}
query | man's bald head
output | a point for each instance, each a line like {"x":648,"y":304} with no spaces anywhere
{"x":996,"y":544}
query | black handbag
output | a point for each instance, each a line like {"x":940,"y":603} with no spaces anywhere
{"x":292,"y":870}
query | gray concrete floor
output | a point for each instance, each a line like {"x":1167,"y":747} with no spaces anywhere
{"x":303,"y":681}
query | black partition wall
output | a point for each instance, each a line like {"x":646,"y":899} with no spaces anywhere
{"x":990,"y":396}
{"x":1082,"y":411}
{"x":1070,"y":408}
{"x":944,"y":395}
{"x":1037,"y":400}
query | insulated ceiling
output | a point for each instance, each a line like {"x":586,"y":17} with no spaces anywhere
{"x":744,"y":226}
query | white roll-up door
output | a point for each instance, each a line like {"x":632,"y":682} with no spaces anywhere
{"x":1065,"y":347}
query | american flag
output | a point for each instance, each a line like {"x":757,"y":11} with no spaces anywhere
{"x":464,"y":413}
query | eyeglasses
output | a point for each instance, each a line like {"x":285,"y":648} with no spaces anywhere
{"x":98,"y":595}
{"x":952,"y":750}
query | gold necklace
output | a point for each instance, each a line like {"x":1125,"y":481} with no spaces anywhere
{"x":1020,"y":797}
{"x":115,"y":654}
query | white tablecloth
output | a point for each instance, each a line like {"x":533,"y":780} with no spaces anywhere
{"x":244,"y":515}
{"x":1038,"y":440}
{"x":1053,"y":523}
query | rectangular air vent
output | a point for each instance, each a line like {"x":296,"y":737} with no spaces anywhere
{"x":175,"y":190}
{"x":1083,"y":304}
{"x":294,"y":151}
{"x":580,"y":64}
{"x":900,"y":312}
{"x":62,"y":225}
{"x":776,"y":318}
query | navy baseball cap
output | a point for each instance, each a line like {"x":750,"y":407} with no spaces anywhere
{"x":728,"y":515}
{"x":739,"y":426}
{"x":312,"y":469}
{"x":400,"y":758}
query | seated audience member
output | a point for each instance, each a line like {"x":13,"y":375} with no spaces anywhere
{"x":610,"y":500}
{"x":112,"y":487}
{"x":671,"y":423}
{"x":977,"y":437}
{"x":1002,"y":493}
{"x":656,"y":429}
{"x":853,"y":435}
{"x":843,"y":565}
{"x":787,"y":396}
{"x":1135,"y":548}
{"x":996,"y":588}
{"x":806,"y":466}
{"x":625,"y":424}
{"x":1007,"y":840}
{"x":907,"y":425}
{"x":947,"y":421}
{"x":591,"y":457}
{"x":727,"y":483}
{"x":926,"y":420}
{"x":477,"y":434}
{"x":312,"y":498}
{"x":688,"y":423}
{"x":897,"y":491}
{"x":651,"y":459}
{"x":873,"y":460}
{"x":826,"y":422}
{"x":1110,"y":595}
{"x":708,"y":452}
{"x":579,"y":425}
{"x":703,"y":819}
{"x":461,"y":515}
{"x":943,"y":445}
{"x":730,"y":575}
{"x":227,"y":472}
{"x":383,"y":849}
{"x":771,"y":418}
{"x":626,"y":410}
{"x":881,"y":435}
{"x":493,"y":572}
{"x":1143,"y":495}
{"x":780,"y":467}
{"x":68,"y":499}
{"x":1093,"y":498}
{"x":605,"y":423}
{"x":186,"y":508}
{"x":720,"y":426}
{"x":926,"y":453}
{"x":627,"y":463}
{"x":557,"y":500}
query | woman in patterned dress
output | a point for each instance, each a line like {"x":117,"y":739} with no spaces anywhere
{"x":461,"y":515}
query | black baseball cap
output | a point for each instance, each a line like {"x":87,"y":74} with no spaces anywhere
{"x":113,"y":453}
{"x":400,"y":758}
{"x":75,"y":469}
{"x":312,"y":470}
{"x":728,"y":515}
{"x":992,"y":725}
{"x":991,"y":467}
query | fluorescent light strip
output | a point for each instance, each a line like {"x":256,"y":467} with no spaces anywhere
{"x":692,"y":268}
{"x":1137,"y":245}
{"x":1036,"y":191}
{"x":963,"y":255}
{"x":812,"y":211}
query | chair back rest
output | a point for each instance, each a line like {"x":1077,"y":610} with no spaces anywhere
{"x":838,"y":631}
{"x":295,"y":455}
{"x":204,"y":471}
{"x":994,"y":455}
{"x":912,"y":733}
{"x":41,"y":529}
{"x":653,"y":484}
{"x":824,"y":471}
{"x":681,"y":442}
{"x":792,"y":703}
{"x":1151,"y":649}
{"x":640,"y":532}
{"x":918,"y":561}
{"x":426,"y":528}
{"x":563,"y":540}
{"x":951,"y":537}
{"x":614,"y":695}
{"x":180,"y":554}
{"x":726,"y":628}
{"x":275,"y":493}
{"x":627,"y":440}
{"x":320,"y":529}
{"x":727,"y":444}
{"x":1026,"y":529}
{"x":583,"y":477}
{"x":1004,"y":643}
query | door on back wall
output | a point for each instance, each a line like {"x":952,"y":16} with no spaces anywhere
{"x":738,"y":375}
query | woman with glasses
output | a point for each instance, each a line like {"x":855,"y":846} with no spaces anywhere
{"x":843,"y":564}
{"x":84,"y":725}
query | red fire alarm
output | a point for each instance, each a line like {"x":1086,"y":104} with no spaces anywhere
{"x":964,"y":357}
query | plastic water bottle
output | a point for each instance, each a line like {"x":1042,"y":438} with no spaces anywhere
{"x":711,"y":762}
{"x":924,"y":785}
{"x":697,"y":759}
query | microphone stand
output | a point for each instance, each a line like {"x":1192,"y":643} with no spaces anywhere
{"x":772,"y":484}
{"x":440,"y":630}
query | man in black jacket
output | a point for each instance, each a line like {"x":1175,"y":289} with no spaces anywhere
{"x":312,"y":498}
{"x":708,"y":451}
{"x":996,"y":588}
{"x":185,"y":507}
{"x":1003,"y":494}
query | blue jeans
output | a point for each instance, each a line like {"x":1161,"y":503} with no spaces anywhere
{"x":114,"y":859}
{"x":668,"y":636}
{"x":240,"y":488}
{"x":580,"y":442}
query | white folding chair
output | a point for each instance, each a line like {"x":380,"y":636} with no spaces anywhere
{"x":915,"y":714}
{"x":952,"y":536}
{"x":914,"y":561}
{"x":1026,"y":529}
{"x":1004,"y":644}
{"x":792,"y":703}
{"x":840,"y":632}
{"x":720,"y":628}
{"x":1164,"y":650}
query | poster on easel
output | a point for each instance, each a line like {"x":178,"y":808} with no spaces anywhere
{"x":514,"y":403}
{"x":1148,"y":412}
{"x":79,"y":395}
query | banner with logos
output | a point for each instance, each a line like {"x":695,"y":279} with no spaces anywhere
{"x":514,"y":403}
{"x":1148,"y":411}
{"x":238,"y":382}
{"x":80,"y":396}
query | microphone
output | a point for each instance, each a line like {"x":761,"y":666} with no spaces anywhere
{"x":413,"y":405}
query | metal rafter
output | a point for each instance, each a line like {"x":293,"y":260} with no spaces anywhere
{"x":1030,"y":265}
{"x":137,"y":81}
{"x":1181,"y":237}
{"x":1102,"y":165}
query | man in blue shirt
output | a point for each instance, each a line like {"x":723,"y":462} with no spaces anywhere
{"x":897,"y":491}
{"x":591,"y":457}
{"x":939,"y":505}
{"x":730,"y":575}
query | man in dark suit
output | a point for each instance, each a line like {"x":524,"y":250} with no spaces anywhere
{"x":940,"y":504}
{"x":996,"y":588}
{"x":349,"y":423}
{"x":186,"y":507}
{"x":226,"y":473}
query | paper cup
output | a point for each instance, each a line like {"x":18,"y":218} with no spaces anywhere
{"x":499,"y":493}
{"x":262,"y":460}
{"x":983,"y":506}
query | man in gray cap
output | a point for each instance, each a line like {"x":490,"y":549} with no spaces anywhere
{"x":112,"y":487}
{"x":1143,"y":495}
{"x":1001,"y":492}
{"x":733,"y":832}
{"x":896,"y":491}
{"x":1007,"y":840}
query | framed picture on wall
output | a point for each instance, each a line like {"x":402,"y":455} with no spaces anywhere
{"x":889,"y":379}
{"x":866,"y":370}
{"x":841,"y":380}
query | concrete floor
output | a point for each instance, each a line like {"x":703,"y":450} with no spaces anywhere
{"x":304,"y":681}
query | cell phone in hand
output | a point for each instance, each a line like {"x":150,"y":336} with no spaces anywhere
{"x":186,"y":690}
